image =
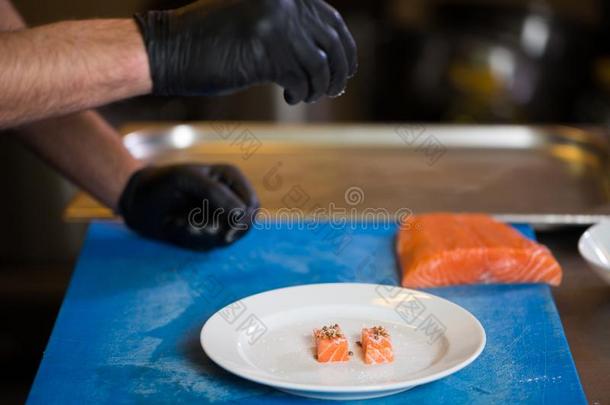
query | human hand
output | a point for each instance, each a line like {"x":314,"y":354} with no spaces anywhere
{"x":198,"y":207}
{"x":214,"y":47}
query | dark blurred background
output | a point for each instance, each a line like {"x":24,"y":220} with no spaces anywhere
{"x":420,"y":60}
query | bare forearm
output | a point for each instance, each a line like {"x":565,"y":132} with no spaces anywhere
{"x":82,"y":146}
{"x":10,"y":19}
{"x":87,"y":150}
{"x":69,"y":66}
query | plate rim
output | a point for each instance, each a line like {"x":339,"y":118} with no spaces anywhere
{"x":349,"y":389}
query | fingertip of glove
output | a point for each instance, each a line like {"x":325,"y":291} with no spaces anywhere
{"x":353,"y":71}
{"x":290,"y":98}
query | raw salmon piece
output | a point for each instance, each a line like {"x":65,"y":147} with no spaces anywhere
{"x":437,"y":250}
{"x":331,"y":344}
{"x":377,"y":346}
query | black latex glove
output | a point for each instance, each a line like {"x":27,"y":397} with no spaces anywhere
{"x":214,"y":47}
{"x":198,"y":207}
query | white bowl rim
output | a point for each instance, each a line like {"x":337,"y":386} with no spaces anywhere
{"x":586,"y":252}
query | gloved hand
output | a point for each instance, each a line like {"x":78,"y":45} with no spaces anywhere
{"x":214,"y":47}
{"x":198,"y":207}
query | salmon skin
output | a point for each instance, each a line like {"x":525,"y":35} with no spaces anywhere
{"x":331,"y":344}
{"x":376,"y":345}
{"x":436,"y":250}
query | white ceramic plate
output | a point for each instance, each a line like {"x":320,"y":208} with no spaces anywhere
{"x":267,"y":338}
{"x":594,"y":246}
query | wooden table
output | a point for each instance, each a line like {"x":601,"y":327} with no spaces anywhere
{"x":583,"y":301}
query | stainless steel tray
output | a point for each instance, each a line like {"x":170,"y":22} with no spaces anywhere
{"x":542,"y":175}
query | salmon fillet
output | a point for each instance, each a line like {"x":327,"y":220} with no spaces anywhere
{"x":331,"y":344}
{"x":376,"y":345}
{"x":443,"y":249}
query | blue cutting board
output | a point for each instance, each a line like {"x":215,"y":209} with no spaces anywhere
{"x":128,"y":330}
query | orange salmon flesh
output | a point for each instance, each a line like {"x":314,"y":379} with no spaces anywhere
{"x":437,"y":250}
{"x":377,"y":348}
{"x":331,"y":347}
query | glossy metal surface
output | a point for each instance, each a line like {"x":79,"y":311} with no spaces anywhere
{"x":540,"y":175}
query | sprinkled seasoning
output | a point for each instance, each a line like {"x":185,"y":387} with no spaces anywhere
{"x":331,"y":344}
{"x":379,"y":331}
{"x":376,"y":345}
{"x":329,"y":332}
